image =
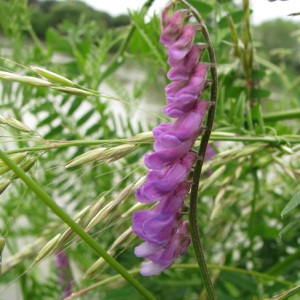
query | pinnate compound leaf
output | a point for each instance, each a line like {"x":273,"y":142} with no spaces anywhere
{"x":295,"y":201}
{"x":85,"y":117}
{"x":74,"y":106}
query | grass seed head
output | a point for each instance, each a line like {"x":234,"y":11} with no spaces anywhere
{"x":26,"y":79}
{"x":142,"y":137}
{"x":16,"y":157}
{"x":2,"y":120}
{"x":51,"y":76}
{"x":48,"y":249}
{"x":16,"y":124}
{"x":3,"y":185}
{"x":118,"y":152}
{"x":86,"y":157}
{"x":72,"y":91}
{"x":26,"y":166}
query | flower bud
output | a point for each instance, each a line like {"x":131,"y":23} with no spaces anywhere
{"x":166,"y":15}
{"x":174,"y":28}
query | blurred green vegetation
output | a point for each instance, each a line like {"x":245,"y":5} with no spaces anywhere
{"x":279,"y":41}
{"x":239,"y":210}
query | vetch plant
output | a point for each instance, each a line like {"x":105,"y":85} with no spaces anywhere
{"x":166,"y":234}
{"x":81,"y":172}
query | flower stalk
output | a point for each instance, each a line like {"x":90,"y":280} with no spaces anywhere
{"x":193,"y":211}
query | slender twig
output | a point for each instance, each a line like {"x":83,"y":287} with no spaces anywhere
{"x":193,"y":214}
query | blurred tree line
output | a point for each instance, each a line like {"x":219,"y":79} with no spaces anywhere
{"x":278,"y":39}
{"x":51,"y":14}
{"x":279,"y":42}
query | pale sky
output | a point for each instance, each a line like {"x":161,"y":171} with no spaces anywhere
{"x":262,"y":9}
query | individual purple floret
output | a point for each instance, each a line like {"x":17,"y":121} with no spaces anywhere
{"x":180,"y":48}
{"x":174,"y":28}
{"x":161,"y":258}
{"x":163,"y":229}
{"x":161,"y":182}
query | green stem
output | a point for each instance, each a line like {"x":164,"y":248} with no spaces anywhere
{"x":264,"y":139}
{"x":249,"y":117}
{"x":66,"y":144}
{"x":282,"y":115}
{"x":286,"y":294}
{"x":34,"y":37}
{"x":75,"y":227}
{"x":259,"y":117}
{"x":283,"y":265}
{"x":214,"y":137}
{"x":237,"y":270}
{"x":193,"y":211}
{"x":253,"y":215}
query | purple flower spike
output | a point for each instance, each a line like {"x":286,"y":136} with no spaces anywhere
{"x":163,"y":229}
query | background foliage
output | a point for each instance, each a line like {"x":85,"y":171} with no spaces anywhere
{"x":250,"y":251}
